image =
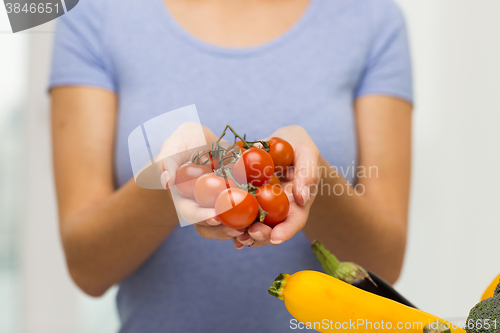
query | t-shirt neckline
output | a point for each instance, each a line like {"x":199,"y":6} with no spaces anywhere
{"x":189,"y":38}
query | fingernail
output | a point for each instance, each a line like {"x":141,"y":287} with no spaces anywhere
{"x":165,"y":177}
{"x":276,"y":242}
{"x":245,"y":241}
{"x":213,"y":222}
{"x":240,"y":247}
{"x":305,"y":194}
{"x":234,"y":233}
{"x":258,"y":235}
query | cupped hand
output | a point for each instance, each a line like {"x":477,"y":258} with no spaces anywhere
{"x":300,"y":184}
{"x":177,"y":150}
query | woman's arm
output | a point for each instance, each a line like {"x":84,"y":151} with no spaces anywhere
{"x":106,"y":234}
{"x":370,"y":228}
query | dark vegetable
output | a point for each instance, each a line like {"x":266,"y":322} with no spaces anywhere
{"x":356,"y":275}
{"x":485,"y":315}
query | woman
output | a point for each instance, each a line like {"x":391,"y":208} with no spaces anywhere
{"x":340,"y":69}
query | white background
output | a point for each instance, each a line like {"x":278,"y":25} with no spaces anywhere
{"x":454,"y":222}
{"x":453,"y":239}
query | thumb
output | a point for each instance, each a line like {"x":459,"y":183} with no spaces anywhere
{"x":306,"y":173}
{"x":288,"y":228}
{"x":168,"y":169}
{"x":171,"y":157}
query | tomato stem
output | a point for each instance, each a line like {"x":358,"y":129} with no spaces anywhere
{"x":197,"y":158}
{"x":225,"y":172}
{"x":262,"y":214}
{"x":246,"y":144}
{"x":218,"y":151}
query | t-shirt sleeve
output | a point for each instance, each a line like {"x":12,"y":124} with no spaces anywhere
{"x":388,"y":67}
{"x":79,"y":53}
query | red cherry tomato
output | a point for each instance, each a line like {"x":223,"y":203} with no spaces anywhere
{"x":209,"y":186}
{"x":274,"y":201}
{"x":281,"y":152}
{"x":255,"y":166}
{"x":236,"y":208}
{"x":274,"y":181}
{"x":186,"y":176}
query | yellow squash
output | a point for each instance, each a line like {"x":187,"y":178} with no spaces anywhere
{"x":491,"y":288}
{"x":325,"y":304}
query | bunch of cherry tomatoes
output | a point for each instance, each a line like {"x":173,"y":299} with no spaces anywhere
{"x":239,"y":181}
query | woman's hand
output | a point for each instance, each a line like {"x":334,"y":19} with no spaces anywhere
{"x":176,"y":151}
{"x":297,"y":183}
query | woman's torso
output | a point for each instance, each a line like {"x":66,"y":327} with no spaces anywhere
{"x":308,"y":77}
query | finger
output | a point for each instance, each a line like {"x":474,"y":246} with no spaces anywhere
{"x":306,"y":173}
{"x":189,"y":210}
{"x":209,"y":135}
{"x":260,"y":232}
{"x":288,"y":228}
{"x":237,"y":244}
{"x":234,"y":232}
{"x":165,"y":178}
{"x":287,"y":187}
{"x":185,"y":139}
{"x":179,"y":147}
{"x":209,"y":223}
{"x":213,"y":221}
{"x":212,"y":232}
{"x":169,"y":168}
{"x":245,"y":239}
{"x":286,"y":174}
{"x":219,"y":232}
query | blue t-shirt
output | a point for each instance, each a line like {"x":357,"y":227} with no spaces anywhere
{"x":338,"y":51}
